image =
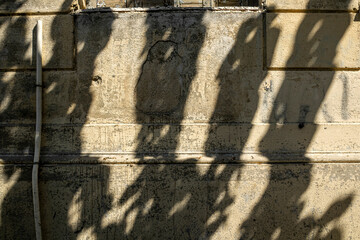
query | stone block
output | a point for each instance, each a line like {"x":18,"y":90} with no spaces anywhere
{"x":17,"y":214}
{"x":347,"y":5}
{"x":312,"y":40}
{"x":34,"y":6}
{"x":61,"y":103}
{"x":307,"y":97}
{"x":159,"y":140}
{"x":115,"y":3}
{"x":144,"y":88}
{"x":17,"y":42}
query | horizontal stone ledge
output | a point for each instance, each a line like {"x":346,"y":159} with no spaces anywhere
{"x":187,"y":158}
{"x":172,"y":9}
{"x":153,"y":139}
{"x":170,"y":124}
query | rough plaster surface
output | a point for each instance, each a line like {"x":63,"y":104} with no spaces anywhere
{"x":191,"y":88}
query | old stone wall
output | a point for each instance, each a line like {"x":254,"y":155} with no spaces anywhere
{"x":183,"y":124}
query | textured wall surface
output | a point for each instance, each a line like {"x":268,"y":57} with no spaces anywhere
{"x":183,"y":124}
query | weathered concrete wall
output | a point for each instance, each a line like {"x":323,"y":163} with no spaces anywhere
{"x":175,"y":124}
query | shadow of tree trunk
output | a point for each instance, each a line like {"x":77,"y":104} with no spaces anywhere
{"x":278,"y":212}
{"x":16,"y":208}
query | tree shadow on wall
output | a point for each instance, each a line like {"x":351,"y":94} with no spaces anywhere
{"x":17,"y":91}
{"x":183,"y":202}
{"x":292,"y":128}
{"x":173,"y":43}
{"x":187,"y":200}
{"x":67,"y":99}
{"x":166,"y":201}
{"x":79,"y":205}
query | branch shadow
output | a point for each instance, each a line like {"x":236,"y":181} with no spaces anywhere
{"x":172,"y":201}
{"x":14,"y":217}
{"x":292,"y":126}
{"x":17,"y":116}
{"x":179,"y":201}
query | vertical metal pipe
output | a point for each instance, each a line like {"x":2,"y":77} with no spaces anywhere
{"x":35,"y":172}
